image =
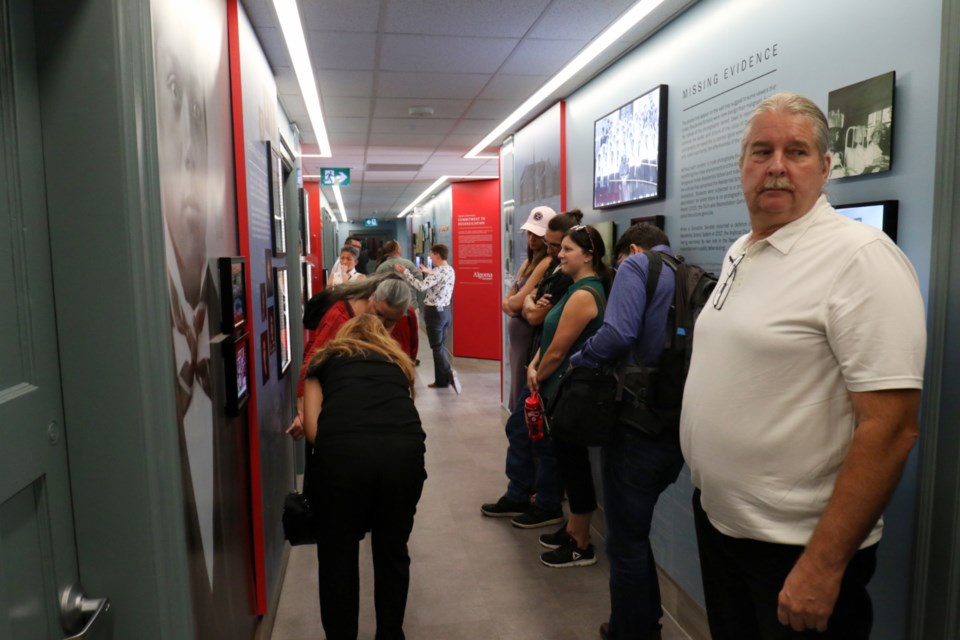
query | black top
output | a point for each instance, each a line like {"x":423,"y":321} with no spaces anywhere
{"x":364,"y":395}
{"x":556,"y":283}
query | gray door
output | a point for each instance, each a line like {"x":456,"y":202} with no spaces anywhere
{"x":37,"y":548}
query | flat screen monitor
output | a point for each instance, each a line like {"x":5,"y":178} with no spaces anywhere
{"x":233,"y":295}
{"x":629,"y":151}
{"x":881,"y":214}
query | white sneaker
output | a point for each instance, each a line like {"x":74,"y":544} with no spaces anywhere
{"x":455,"y":380}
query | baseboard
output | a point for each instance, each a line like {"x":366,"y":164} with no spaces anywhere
{"x":685,"y":611}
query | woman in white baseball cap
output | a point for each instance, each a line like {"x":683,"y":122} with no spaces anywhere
{"x":529,"y":275}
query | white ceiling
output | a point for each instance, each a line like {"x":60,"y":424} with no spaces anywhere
{"x":472,"y":61}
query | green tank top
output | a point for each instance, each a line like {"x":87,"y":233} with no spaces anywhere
{"x":549,"y":386}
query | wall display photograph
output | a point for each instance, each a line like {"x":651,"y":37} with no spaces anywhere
{"x":263,"y":301}
{"x":861,"y":126}
{"x":272,"y":329}
{"x":279,"y":229}
{"x":284,"y":353}
{"x":233,"y":294}
{"x":268,"y":259}
{"x":881,"y":214}
{"x":630,"y":146}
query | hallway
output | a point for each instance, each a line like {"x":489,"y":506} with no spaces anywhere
{"x":472,"y":577}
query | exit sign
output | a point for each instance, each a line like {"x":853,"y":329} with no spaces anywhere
{"x":335,"y":176}
{"x":371,"y":222}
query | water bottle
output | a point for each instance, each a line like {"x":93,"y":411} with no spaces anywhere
{"x":533,"y":413}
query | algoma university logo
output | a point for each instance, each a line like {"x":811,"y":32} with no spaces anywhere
{"x":482,"y":275}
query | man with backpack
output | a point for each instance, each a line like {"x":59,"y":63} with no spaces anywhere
{"x":644,"y":458}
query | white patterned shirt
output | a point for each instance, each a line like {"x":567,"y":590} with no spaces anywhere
{"x":438,"y":285}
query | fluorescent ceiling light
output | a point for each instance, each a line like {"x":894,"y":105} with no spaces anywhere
{"x":626,"y":22}
{"x":289,"y":16}
{"x":439,"y":182}
{"x":343,"y":210}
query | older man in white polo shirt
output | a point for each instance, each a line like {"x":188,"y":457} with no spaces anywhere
{"x":801,"y":404}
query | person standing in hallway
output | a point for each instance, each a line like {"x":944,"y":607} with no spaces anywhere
{"x":391,"y":256}
{"x":638,"y":465}
{"x":368,"y":474}
{"x":528,"y":277}
{"x":531,"y":465}
{"x":385,"y":296}
{"x":576,"y":317}
{"x":346,"y":269}
{"x":801,"y":403}
{"x":438,"y":314}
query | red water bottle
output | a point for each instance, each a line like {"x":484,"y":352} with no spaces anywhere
{"x":533,"y":413}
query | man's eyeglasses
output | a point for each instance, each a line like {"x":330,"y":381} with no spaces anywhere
{"x":723,"y":291}
{"x":587,"y":231}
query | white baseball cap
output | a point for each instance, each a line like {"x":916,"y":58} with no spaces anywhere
{"x":537,"y":220}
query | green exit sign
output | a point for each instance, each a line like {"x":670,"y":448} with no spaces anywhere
{"x":335,"y":175}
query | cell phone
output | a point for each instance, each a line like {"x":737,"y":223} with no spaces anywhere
{"x":418,"y":262}
{"x":429,"y":262}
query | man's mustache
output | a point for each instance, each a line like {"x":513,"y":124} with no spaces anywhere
{"x":778,"y":184}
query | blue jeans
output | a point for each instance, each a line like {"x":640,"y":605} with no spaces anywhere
{"x":636,"y":470}
{"x":523,"y":454}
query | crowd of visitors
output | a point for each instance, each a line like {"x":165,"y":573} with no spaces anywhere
{"x":798,"y":412}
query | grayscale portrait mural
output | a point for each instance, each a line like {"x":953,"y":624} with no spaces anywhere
{"x":197,"y":199}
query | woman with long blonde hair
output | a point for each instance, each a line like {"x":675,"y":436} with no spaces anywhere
{"x":367,"y":474}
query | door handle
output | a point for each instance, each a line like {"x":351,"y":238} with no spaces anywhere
{"x":83,"y":616}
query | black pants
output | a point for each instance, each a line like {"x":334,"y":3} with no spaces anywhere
{"x":742,"y":580}
{"x":438,"y":322}
{"x":577,"y":475}
{"x":366,"y":484}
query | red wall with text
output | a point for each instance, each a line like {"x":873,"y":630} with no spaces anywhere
{"x":476,"y":259}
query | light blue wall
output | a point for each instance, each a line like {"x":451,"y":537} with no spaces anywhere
{"x":820,"y":46}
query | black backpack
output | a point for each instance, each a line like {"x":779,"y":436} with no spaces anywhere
{"x":693,"y":290}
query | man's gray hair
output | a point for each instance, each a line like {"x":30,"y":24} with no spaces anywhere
{"x":394,"y":292}
{"x":792,"y":104}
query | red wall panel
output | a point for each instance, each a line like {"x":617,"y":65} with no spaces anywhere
{"x":476,"y":259}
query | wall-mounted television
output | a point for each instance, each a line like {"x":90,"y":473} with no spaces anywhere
{"x":236,"y":362}
{"x":630,"y":151}
{"x":233,"y":294}
{"x":881,"y":214}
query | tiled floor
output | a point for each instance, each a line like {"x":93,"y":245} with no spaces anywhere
{"x":472,"y":577}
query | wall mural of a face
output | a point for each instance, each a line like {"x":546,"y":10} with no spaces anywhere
{"x":195,"y":157}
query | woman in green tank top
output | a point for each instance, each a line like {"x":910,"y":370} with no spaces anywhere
{"x":573,"y":319}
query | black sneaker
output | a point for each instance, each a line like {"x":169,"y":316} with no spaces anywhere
{"x":569,"y":556}
{"x":504,"y":508}
{"x":557,"y":539}
{"x":537,"y":517}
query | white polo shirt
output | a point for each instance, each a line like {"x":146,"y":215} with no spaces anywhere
{"x":824,"y":306}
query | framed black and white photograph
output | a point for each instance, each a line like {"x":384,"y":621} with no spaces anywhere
{"x":629,"y":150}
{"x":881,"y":214}
{"x":304,"y":201}
{"x":307,"y":282}
{"x":263,"y":301}
{"x":860,"y":117}
{"x":277,"y":217}
{"x":233,"y":294}
{"x":284,"y":349}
